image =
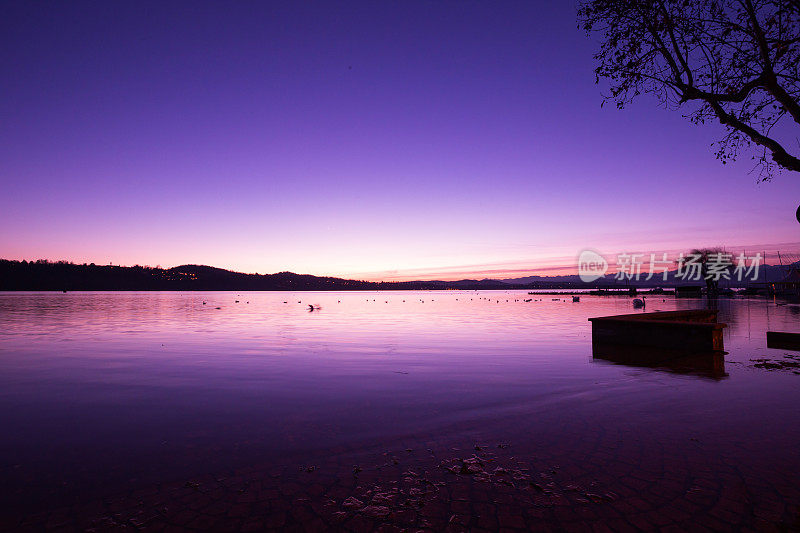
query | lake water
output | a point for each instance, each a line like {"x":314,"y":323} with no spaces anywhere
{"x":106,"y":396}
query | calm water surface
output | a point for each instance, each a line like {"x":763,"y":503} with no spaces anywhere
{"x":102,"y":392}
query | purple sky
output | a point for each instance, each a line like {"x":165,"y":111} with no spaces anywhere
{"x":382,"y":140}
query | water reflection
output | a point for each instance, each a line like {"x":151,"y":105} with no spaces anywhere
{"x":703,"y":365}
{"x":107,"y":391}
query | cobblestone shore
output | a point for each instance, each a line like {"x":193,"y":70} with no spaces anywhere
{"x":481,"y":486}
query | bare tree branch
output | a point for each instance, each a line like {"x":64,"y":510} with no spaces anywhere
{"x":739,"y":59}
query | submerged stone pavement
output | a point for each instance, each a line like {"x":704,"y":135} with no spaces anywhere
{"x":485,"y":486}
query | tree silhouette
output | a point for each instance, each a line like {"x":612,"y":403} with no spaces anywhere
{"x":737,"y":60}
{"x":711,"y":265}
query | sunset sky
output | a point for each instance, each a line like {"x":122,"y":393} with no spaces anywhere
{"x":380,"y":140}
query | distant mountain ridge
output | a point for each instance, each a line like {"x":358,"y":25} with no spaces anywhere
{"x":45,"y":275}
{"x":766,"y":273}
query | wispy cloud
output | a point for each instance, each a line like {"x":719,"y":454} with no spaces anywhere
{"x":566,"y":265}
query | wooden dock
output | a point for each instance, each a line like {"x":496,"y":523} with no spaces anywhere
{"x":681,"y":331}
{"x":783,"y":340}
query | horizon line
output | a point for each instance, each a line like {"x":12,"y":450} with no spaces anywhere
{"x":454,"y":273}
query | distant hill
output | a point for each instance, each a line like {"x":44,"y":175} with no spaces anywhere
{"x":543,"y":279}
{"x":765,"y":273}
{"x":45,"y":275}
